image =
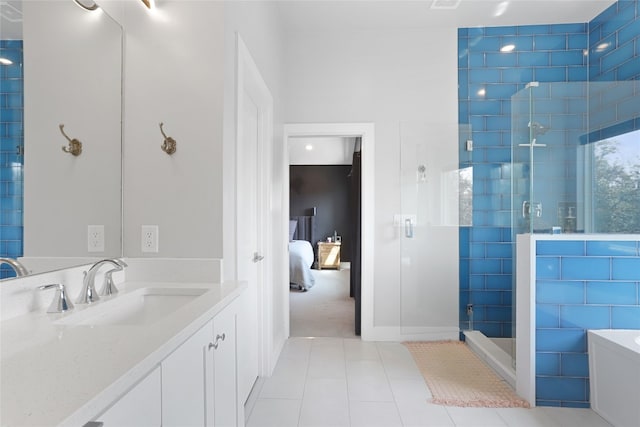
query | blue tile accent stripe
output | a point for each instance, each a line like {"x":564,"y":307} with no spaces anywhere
{"x":11,"y":162}
{"x":596,"y":290}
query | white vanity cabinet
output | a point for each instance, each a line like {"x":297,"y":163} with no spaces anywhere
{"x":195,"y":385}
{"x":140,"y":407}
{"x":225,"y":390}
{"x":199,"y":378}
{"x":185,"y":381}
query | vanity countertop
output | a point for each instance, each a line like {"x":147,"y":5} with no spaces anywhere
{"x":52,"y":373}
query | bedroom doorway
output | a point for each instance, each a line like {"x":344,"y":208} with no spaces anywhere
{"x":337,"y":304}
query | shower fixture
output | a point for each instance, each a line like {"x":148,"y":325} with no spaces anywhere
{"x":536,"y":130}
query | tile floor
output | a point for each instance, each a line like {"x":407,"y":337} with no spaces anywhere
{"x":348,"y":382}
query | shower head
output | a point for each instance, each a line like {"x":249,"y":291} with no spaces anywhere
{"x":538,"y":129}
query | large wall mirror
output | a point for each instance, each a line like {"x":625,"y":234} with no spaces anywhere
{"x":63,"y":66}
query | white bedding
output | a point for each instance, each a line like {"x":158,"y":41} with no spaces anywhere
{"x":300,"y":262}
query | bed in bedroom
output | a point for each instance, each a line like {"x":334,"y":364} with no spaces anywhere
{"x":301,"y":256}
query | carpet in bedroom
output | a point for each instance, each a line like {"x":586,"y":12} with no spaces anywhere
{"x":326,"y":310}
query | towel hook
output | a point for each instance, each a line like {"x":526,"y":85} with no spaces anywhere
{"x":169,"y":144}
{"x":74,"y":147}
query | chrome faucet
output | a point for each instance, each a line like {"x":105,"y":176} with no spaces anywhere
{"x":88,"y":293}
{"x":17,"y":266}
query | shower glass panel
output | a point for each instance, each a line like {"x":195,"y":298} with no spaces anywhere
{"x":427,"y":227}
{"x":548,"y":120}
{"x":575,"y":159}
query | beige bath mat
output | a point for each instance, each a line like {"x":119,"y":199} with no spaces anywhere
{"x":457,"y":377}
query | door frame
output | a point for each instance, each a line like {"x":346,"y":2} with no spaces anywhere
{"x":250,"y":80}
{"x":367,"y":132}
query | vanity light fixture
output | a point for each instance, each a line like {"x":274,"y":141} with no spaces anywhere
{"x":169,"y":144}
{"x":149,"y":3}
{"x":89,"y":5}
{"x":5,"y":61}
{"x":508,"y":48}
{"x":308,"y":147}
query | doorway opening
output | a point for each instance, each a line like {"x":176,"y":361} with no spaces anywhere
{"x":327,"y":177}
{"x":324,"y":188}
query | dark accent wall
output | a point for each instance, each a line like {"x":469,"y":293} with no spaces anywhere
{"x":327,"y":188}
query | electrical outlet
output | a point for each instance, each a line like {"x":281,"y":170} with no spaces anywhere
{"x":150,"y":238}
{"x":95,"y":238}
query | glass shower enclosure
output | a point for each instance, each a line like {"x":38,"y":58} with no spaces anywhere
{"x":575,"y":159}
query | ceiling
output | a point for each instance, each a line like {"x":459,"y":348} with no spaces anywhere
{"x":336,"y":15}
{"x":327,"y":150}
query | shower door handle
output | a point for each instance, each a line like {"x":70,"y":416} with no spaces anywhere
{"x":408,"y":228}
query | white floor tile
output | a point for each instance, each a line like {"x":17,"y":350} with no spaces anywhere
{"x":365,"y":368}
{"x":356,"y":349}
{"x":275,"y":413}
{"x":326,"y":389}
{"x":341,"y":382}
{"x":325,"y":403}
{"x":369,"y":389}
{"x":475,"y":417}
{"x":284,"y":385}
{"x":373,"y":414}
{"x":414,"y":390}
{"x":297,"y":348}
{"x":521,"y":417}
{"x":324,"y":413}
{"x":570,"y":417}
{"x":419,"y":414}
{"x":326,"y":367}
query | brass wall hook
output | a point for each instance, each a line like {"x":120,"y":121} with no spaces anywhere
{"x":169,"y":144}
{"x":74,"y":147}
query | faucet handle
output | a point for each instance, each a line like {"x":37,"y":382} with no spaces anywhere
{"x":60,"y":302}
{"x":109,"y":288}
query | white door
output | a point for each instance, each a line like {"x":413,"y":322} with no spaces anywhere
{"x":253,"y":226}
{"x":249,"y":241}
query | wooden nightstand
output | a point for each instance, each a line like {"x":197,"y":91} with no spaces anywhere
{"x":328,"y":255}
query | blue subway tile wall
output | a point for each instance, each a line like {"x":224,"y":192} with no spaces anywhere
{"x":576,"y":298}
{"x":614,"y":70}
{"x":613,"y":38}
{"x":11,"y":149}
{"x":488,"y":78}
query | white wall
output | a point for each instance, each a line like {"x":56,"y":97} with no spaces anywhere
{"x":399,"y":80}
{"x":173,"y":74}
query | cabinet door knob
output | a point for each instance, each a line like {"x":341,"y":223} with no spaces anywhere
{"x":214,"y":345}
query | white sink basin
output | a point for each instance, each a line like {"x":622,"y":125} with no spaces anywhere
{"x":140,"y":307}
